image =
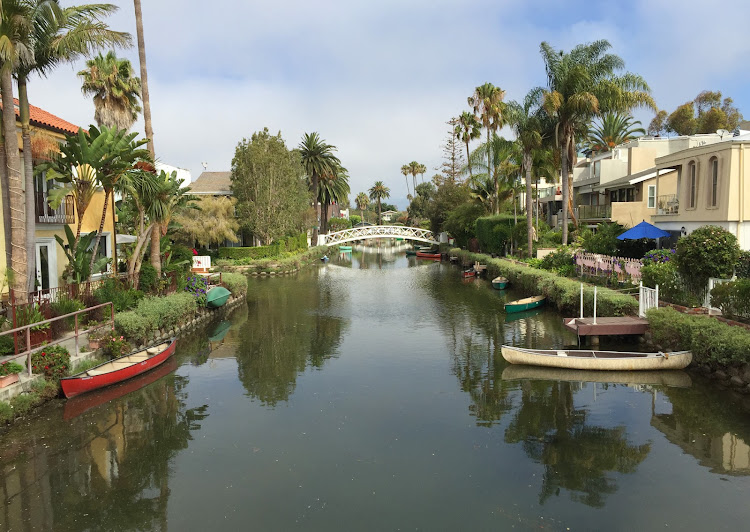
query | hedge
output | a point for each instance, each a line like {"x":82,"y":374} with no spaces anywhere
{"x":289,"y":244}
{"x":732,"y":298}
{"x":235,"y":283}
{"x":154,"y":313}
{"x":709,"y":339}
{"x":493,"y":232}
{"x":564,"y":293}
{"x":276,"y":265}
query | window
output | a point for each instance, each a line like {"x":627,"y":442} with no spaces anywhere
{"x":714,"y":192}
{"x":693,"y":184}
{"x":630,"y":195}
{"x":597,"y":169}
{"x":651,"y":196}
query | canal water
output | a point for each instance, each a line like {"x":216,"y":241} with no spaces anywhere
{"x":370,"y":394}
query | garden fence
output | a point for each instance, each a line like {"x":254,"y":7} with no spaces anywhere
{"x":606,"y":265}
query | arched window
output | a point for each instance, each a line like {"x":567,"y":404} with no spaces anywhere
{"x":713,"y":182}
{"x":692,"y":185}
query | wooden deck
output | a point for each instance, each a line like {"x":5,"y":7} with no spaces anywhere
{"x":625,"y":325}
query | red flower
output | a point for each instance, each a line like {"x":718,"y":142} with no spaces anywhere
{"x":46,"y":367}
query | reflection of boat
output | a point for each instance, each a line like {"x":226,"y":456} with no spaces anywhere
{"x":217,"y":296}
{"x":513,"y":316}
{"x":78,"y":405}
{"x":596,"y":360}
{"x":675,"y":378}
{"x":411,"y":252}
{"x":117,"y":370}
{"x":426,"y":255}
{"x":525,"y":304}
{"x":220,"y":331}
{"x":499,"y":283}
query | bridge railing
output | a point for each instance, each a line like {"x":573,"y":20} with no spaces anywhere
{"x":378,"y":231}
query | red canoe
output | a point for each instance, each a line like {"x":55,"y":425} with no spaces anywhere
{"x":118,"y":369}
{"x":470,"y":273}
{"x":424,"y":255}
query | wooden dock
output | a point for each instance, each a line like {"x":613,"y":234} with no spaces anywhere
{"x":624,"y":325}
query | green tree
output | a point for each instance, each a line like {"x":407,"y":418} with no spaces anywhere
{"x":682,"y":120}
{"x":658,"y":125}
{"x":461,"y":221}
{"x":488,"y":107}
{"x":213,"y":221}
{"x":362,"y":200}
{"x":709,"y":251}
{"x":333,"y":187}
{"x":115,"y":90}
{"x":418,"y":208}
{"x":613,"y":129}
{"x":582,"y":84}
{"x":448,"y":196}
{"x":707,"y":113}
{"x":268,"y":182}
{"x":406,"y":170}
{"x":317,"y":159}
{"x":494,"y":183}
{"x":378,"y":192}
{"x":414,"y":169}
{"x":467,"y":129}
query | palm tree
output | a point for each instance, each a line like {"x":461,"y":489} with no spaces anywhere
{"x":527,"y":125}
{"x":115,"y":90}
{"x":379,"y":192}
{"x":467,"y":129}
{"x":496,"y":179}
{"x":362,"y":200}
{"x":333,"y":187}
{"x":422,"y":170}
{"x":55,"y":35}
{"x":144,"y":78}
{"x":414,"y":169}
{"x":317,"y":159}
{"x":487,"y":104}
{"x":406,"y":170}
{"x":613,"y":129}
{"x":580,"y":85}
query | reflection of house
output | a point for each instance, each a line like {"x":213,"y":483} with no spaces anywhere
{"x":47,"y":130}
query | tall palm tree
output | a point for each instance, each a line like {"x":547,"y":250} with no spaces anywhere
{"x":362,"y":200}
{"x":406,"y":170}
{"x":379,"y":192}
{"x":488,"y":107}
{"x":414,"y":169}
{"x":333,"y":187}
{"x":580,"y":85}
{"x":422,"y":170}
{"x":317,"y":159}
{"x":144,"y":78}
{"x":116,"y":91}
{"x":613,"y":129}
{"x":467,"y":129}
{"x":495,"y":178}
{"x":55,"y":35}
{"x":527,"y":125}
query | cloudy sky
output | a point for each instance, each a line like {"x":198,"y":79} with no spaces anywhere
{"x":379,"y":79}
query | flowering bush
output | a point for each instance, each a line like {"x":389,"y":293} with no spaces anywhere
{"x":114,"y":345}
{"x":10,"y":368}
{"x":53,"y":362}
{"x":196,"y":285}
{"x":659,"y":256}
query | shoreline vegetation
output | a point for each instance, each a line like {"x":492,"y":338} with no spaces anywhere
{"x":280,"y":264}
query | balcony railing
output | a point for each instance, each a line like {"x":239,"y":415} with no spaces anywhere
{"x":64,"y":214}
{"x":667,"y":204}
{"x":594,"y":212}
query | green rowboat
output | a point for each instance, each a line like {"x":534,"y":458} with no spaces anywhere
{"x":217,"y":296}
{"x":345,"y":248}
{"x":499,"y":283}
{"x":524,"y":304}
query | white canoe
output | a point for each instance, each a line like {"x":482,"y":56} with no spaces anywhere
{"x":596,"y":360}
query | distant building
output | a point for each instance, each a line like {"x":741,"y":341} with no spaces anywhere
{"x":388,"y":216}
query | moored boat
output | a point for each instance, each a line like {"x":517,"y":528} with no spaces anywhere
{"x":118,"y":369}
{"x":217,"y":296}
{"x":597,"y":360}
{"x":469,"y":273}
{"x":499,"y":283}
{"x":527,"y":303}
{"x":426,"y":255}
{"x":345,"y":248}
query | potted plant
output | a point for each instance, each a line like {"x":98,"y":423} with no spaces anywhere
{"x":29,"y":315}
{"x":9,"y":373}
{"x":97,"y":336}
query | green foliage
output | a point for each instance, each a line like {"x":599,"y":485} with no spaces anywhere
{"x":461,"y":221}
{"x":282,"y":264}
{"x":560,"y":261}
{"x":10,"y":368}
{"x":447,"y":196}
{"x":148,"y":281}
{"x":235,"y":283}
{"x":355,"y":219}
{"x":28,"y":314}
{"x":732,"y":298}
{"x":154,"y":313}
{"x":285,"y":245}
{"x":23,"y":403}
{"x":339,"y":224}
{"x":6,"y":412}
{"x":114,"y":345}
{"x":86,"y":365}
{"x":742,"y":268}
{"x":659,"y":256}
{"x":134,"y":326}
{"x":603,"y":241}
{"x":671,"y":288}
{"x":66,"y":305}
{"x":122,"y":297}
{"x":709,"y":251}
{"x":710,"y":340}
{"x":197,"y":286}
{"x":52,"y":361}
{"x":494,"y":233}
{"x":6,"y":345}
{"x":562,"y":292}
{"x":78,"y":267}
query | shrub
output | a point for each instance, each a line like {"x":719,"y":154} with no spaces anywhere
{"x":197,"y":286}
{"x":10,"y":368}
{"x":6,"y":412}
{"x":338,"y":224}
{"x":179,"y":254}
{"x":494,"y":233}
{"x":561,"y":261}
{"x":235,"y":283}
{"x":134,"y":326}
{"x":52,"y":361}
{"x":147,"y":280}
{"x":289,"y":244}
{"x":122,"y":298}
{"x":7,"y":346}
{"x":603,"y":241}
{"x":153,"y":313}
{"x":28,"y":314}
{"x":66,"y":305}
{"x":742,"y":268}
{"x":45,"y":389}
{"x":355,"y":219}
{"x":671,"y":286}
{"x":709,"y":251}
{"x":23,"y":403}
{"x":659,"y":256}
{"x":461,"y":222}
{"x":732,"y":298}
{"x":114,"y":345}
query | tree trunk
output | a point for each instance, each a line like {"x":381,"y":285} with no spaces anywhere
{"x":468,"y":160}
{"x":156,"y":249}
{"x":114,"y":237}
{"x":527,"y":162}
{"x":28,"y":168}
{"x":144,"y":78}
{"x":324,"y":218}
{"x":6,"y":197}
{"x":15,"y":192}
{"x":314,"y":238}
{"x":99,"y":233}
{"x":138,"y":254}
{"x":380,"y":221}
{"x":565,"y":191}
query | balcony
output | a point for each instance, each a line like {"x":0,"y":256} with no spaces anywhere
{"x":64,"y":214}
{"x":667,"y":204}
{"x":594,"y":212}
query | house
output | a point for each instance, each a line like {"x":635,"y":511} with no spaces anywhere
{"x":47,"y":128}
{"x":388,"y":216}
{"x":709,"y":185}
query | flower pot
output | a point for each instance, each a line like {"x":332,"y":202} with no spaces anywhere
{"x":7,"y":380}
{"x":39,"y":337}
{"x":94,"y":344}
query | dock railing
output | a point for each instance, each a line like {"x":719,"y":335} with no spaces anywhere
{"x":25,"y":333}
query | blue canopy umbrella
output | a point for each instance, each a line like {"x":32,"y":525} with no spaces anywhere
{"x":643,"y":230}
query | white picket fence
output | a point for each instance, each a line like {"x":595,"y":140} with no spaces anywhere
{"x":711,"y":283}
{"x":595,"y":264}
{"x":647,"y":298}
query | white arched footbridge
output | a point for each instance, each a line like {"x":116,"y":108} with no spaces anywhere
{"x":380,"y":231}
